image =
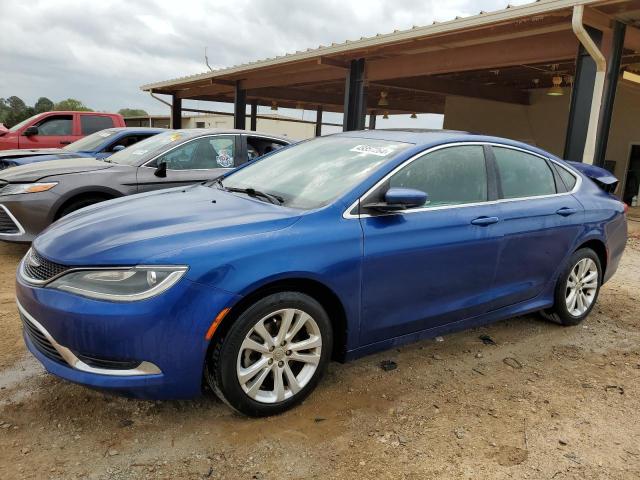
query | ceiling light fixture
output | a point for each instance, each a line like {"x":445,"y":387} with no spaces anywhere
{"x":383,"y":102}
{"x":386,"y":115}
{"x":556,"y":89}
{"x":631,"y":76}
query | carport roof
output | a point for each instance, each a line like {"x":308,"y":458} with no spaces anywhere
{"x":421,"y":64}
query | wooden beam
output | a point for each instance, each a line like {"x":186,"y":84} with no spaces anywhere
{"x":632,"y":39}
{"x":596,"y":19}
{"x":208,"y":90}
{"x":222,"y":81}
{"x":332,"y":62}
{"x":551,"y":48}
{"x":434,"y":103}
{"x":462,"y":89}
{"x":295,"y":78}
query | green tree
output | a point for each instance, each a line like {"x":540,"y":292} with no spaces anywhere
{"x":72,"y":104}
{"x":43,"y":105}
{"x":14,"y":110}
{"x":132,"y":112}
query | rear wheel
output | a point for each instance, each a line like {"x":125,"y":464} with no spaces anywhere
{"x":273,"y":355}
{"x":577,"y":288}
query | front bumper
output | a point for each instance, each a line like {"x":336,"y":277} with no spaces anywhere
{"x":23,"y":217}
{"x":161,"y":340}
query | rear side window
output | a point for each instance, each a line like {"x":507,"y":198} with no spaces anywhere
{"x":522,"y":174}
{"x":56,"y":125}
{"x":258,"y":146}
{"x":450,"y":176}
{"x":94,"y":123}
{"x":568,"y":178}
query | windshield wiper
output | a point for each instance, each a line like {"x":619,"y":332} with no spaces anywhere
{"x":252,"y":192}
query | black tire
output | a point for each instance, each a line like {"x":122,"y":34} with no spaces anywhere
{"x":78,"y":204}
{"x":221,"y":373}
{"x":560,"y":313}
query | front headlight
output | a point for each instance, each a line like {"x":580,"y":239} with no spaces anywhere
{"x":120,"y":284}
{"x":16,"y":188}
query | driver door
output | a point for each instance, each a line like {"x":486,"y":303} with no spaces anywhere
{"x":197,"y":160}
{"x":432,"y":265}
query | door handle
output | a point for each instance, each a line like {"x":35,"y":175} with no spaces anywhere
{"x":64,"y":142}
{"x":566,"y":211}
{"x":484,"y":221}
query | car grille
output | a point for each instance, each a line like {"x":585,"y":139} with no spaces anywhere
{"x":40,"y":341}
{"x":36,"y":267}
{"x":7,"y":225}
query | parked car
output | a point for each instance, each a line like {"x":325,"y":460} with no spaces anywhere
{"x":33,"y":196}
{"x":99,"y":145}
{"x":333,"y":248}
{"x":56,"y":129}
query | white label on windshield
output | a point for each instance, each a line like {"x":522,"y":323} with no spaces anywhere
{"x":139,"y":152}
{"x":378,"y":151}
{"x":104,"y":134}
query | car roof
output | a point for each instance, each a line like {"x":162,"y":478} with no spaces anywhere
{"x":426,"y":138}
{"x":198,"y":132}
{"x":137,"y":129}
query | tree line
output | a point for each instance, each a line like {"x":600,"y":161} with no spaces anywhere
{"x":13,"y":109}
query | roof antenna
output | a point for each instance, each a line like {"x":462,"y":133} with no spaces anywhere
{"x":206,"y":59}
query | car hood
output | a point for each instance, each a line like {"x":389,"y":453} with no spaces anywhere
{"x":29,"y":152}
{"x":47,"y":157}
{"x":36,"y":171}
{"x":128,"y":230}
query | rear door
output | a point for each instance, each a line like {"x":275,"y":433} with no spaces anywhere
{"x":540,"y":221}
{"x":197,"y":160}
{"x":54,"y":131}
{"x":434,"y":264}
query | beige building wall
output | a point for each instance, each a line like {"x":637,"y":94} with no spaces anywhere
{"x":544,"y":122}
{"x":279,"y":126}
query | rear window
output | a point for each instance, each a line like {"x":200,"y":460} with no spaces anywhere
{"x":94,"y":123}
{"x":523,"y":174}
{"x":568,"y":178}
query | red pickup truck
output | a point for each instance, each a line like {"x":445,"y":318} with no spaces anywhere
{"x":56,"y":129}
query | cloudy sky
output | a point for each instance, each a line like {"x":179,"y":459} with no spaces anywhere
{"x":100,"y":52}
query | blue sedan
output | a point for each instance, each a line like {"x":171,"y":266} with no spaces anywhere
{"x":99,"y":145}
{"x":333,"y":248}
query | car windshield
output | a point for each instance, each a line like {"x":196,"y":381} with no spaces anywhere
{"x":18,"y":126}
{"x":90,"y":142}
{"x":142,"y":151}
{"x":313,"y":174}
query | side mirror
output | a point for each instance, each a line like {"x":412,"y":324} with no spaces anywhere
{"x":29,"y":131}
{"x":399,"y":199}
{"x":117,"y":148}
{"x":161,"y":171}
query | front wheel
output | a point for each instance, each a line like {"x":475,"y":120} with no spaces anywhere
{"x":577,"y":288}
{"x":273,"y":355}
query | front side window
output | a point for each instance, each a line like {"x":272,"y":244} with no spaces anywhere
{"x":201,"y":154}
{"x":449,"y":176}
{"x":522,"y":174}
{"x":316,"y":172}
{"x":56,"y":125}
{"x":94,"y":123}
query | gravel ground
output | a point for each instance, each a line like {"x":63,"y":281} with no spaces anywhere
{"x":544,"y":402}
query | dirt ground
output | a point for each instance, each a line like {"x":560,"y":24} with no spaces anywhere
{"x":545,"y":402}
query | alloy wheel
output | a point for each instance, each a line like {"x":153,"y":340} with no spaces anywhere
{"x":582,"y":286}
{"x":279,"y":355}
